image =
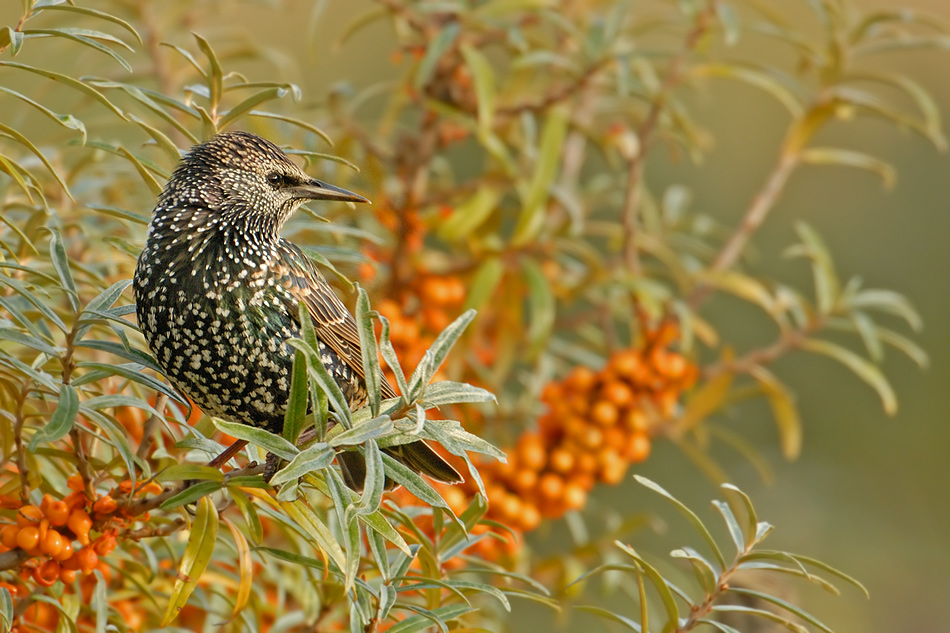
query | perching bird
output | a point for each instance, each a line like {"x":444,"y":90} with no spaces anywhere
{"x":217,"y":292}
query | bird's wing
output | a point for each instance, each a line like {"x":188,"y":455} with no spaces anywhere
{"x":332,"y":321}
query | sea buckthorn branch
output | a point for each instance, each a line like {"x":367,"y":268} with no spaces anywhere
{"x":674,"y":76}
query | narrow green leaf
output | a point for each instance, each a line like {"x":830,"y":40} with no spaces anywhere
{"x":484,"y":79}
{"x":198,"y":551}
{"x":689,"y":514}
{"x":315,"y":457}
{"x":153,"y":185}
{"x":422,"y":621}
{"x":248,"y":104}
{"x":389,"y":355}
{"x":889,"y":302}
{"x":661,"y":586}
{"x":784,"y":410}
{"x":437,"y":47}
{"x":100,"y":603}
{"x":195,"y":492}
{"x":369,"y":430}
{"x":317,"y":371}
{"x":470,"y":214}
{"x":550,"y":151}
{"x":863,"y":368}
{"x":298,"y":400}
{"x":66,"y":120}
{"x":369,"y":350}
{"x":435,"y":355}
{"x":301,"y":124}
{"x":850,"y":158}
{"x":137,"y":356}
{"x":188,"y":472}
{"x":305,"y":518}
{"x":69,"y":81}
{"x":270,"y":442}
{"x":61,"y":422}
{"x":751,"y":517}
{"x":732,"y":524}
{"x":215,"y":73}
{"x":762,"y":613}
{"x":108,"y":17}
{"x":449,"y":392}
{"x":249,"y":512}
{"x":415,"y":484}
{"x":15,"y":134}
{"x":86,"y":38}
{"x":702,"y":569}
{"x":610,"y":615}
{"x":541,"y":306}
{"x":15,"y":336}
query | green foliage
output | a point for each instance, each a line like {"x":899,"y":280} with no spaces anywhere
{"x":714,"y":578}
{"x":558,"y":230}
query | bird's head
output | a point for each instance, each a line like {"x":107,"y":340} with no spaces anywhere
{"x":247,"y":178}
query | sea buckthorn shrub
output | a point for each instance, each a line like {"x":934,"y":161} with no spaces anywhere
{"x":524,"y":280}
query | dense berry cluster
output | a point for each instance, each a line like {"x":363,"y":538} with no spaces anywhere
{"x":596,"y":425}
{"x":64,"y":538}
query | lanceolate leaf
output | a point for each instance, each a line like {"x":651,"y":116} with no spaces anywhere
{"x":198,"y":551}
{"x":863,"y":368}
{"x":61,"y":422}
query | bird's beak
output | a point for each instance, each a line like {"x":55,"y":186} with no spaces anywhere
{"x":317,"y":190}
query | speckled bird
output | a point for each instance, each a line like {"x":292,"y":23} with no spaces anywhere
{"x":217,"y":292}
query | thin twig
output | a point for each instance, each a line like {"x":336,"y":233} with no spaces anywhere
{"x":148,"y":430}
{"x":634,"y":192}
{"x":789,"y":339}
{"x":763,"y":202}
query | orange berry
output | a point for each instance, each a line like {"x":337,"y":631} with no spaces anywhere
{"x":615,"y":438}
{"x":581,"y":379}
{"x":71,"y":562}
{"x":105,"y":505}
{"x":75,"y":500}
{"x":150,"y":488}
{"x":47,"y":573}
{"x":591,"y":438}
{"x":80,"y":523}
{"x":638,"y":447}
{"x":524,"y":480}
{"x":551,"y":486}
{"x":531,"y":451}
{"x":8,"y":536}
{"x":65,"y":552}
{"x":586,"y":463}
{"x":28,"y":538}
{"x":57,"y":512}
{"x":53,"y":543}
{"x":67,"y":575}
{"x":575,"y":496}
{"x":530,"y":517}
{"x":510,"y":508}
{"x":562,"y":460}
{"x":88,"y":560}
{"x":618,"y":393}
{"x":104,"y":545}
{"x":635,"y":420}
{"x":612,"y":467}
{"x":604,"y":413}
{"x":625,"y":363}
{"x":28,"y":515}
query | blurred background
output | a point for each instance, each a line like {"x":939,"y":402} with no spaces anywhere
{"x":869,"y":492}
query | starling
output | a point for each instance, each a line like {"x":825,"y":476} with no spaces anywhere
{"x":217,"y":292}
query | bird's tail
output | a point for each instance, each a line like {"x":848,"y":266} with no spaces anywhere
{"x":418,"y":456}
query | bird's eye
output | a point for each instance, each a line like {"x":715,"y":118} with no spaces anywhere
{"x":276,"y":179}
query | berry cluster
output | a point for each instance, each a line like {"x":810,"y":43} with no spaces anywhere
{"x":57,"y":536}
{"x":596,"y":425}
